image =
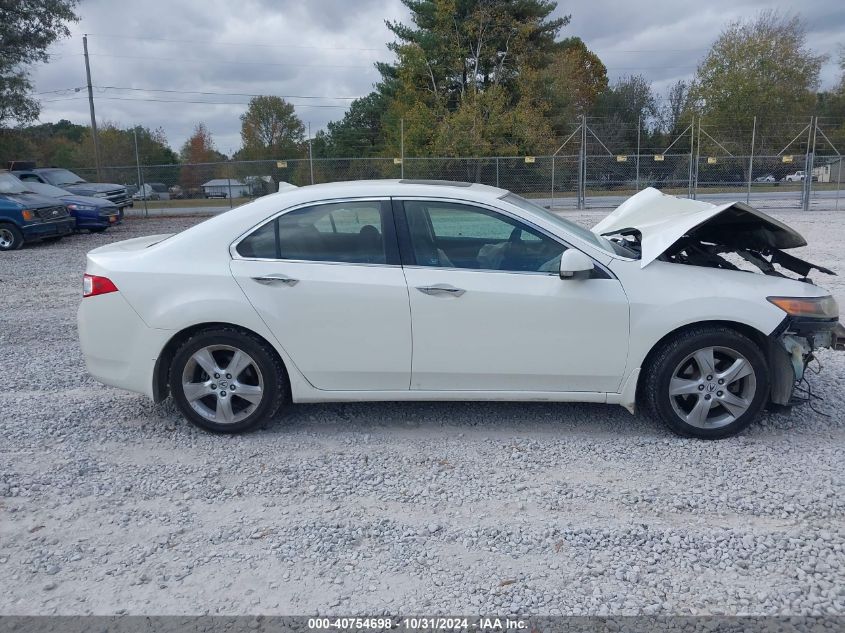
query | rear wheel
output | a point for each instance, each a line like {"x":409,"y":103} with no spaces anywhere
{"x":708,"y":382}
{"x":11,"y":237}
{"x":226,"y":381}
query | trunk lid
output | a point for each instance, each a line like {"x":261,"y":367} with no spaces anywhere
{"x":135,"y":244}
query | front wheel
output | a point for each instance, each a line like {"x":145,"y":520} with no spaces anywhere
{"x":226,"y":381}
{"x":708,"y":382}
{"x":11,"y":237}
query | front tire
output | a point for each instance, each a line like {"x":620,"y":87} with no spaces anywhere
{"x":707,"y":382}
{"x":226,"y":381}
{"x":11,"y":237}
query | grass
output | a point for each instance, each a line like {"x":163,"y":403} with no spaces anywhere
{"x":191,"y":203}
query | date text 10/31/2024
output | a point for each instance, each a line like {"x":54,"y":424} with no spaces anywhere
{"x":419,"y":624}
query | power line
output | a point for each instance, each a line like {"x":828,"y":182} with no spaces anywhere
{"x":224,"y":61}
{"x":226,"y":94}
{"x":217,"y":43}
{"x":298,"y":105}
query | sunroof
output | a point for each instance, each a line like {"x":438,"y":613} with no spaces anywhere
{"x":442,"y":183}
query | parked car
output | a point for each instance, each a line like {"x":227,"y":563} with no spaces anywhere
{"x":70,"y":182}
{"x":798,"y":176}
{"x":421,"y":290}
{"x":94,"y":214}
{"x":152,"y":191}
{"x":176,"y":192}
{"x":28,"y":217}
{"x":766,"y":178}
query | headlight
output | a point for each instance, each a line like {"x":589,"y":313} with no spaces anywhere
{"x":81,"y":207}
{"x":28,"y":215}
{"x":813,"y":307}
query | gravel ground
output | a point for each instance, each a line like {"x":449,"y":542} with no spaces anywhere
{"x":110,"y":504}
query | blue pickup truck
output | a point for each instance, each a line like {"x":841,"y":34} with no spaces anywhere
{"x":69,"y":181}
{"x":28,"y":217}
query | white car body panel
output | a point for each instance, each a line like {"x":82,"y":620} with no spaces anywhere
{"x":517,"y":331}
{"x":334,"y":308}
{"x":511,"y":336}
{"x":662,"y":220}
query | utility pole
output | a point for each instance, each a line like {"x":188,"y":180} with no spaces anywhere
{"x":402,"y":147}
{"x":94,"y":135}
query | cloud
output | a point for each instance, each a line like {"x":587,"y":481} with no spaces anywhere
{"x":327,"y":48}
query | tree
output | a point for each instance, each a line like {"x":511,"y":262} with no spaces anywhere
{"x":270,"y":129}
{"x":449,"y":57}
{"x":629,"y":101}
{"x":198,"y":155}
{"x":359,"y":133}
{"x":27,"y":29}
{"x":568,"y":86}
{"x":117,"y":146}
{"x":762,"y":68}
{"x":675,"y":113}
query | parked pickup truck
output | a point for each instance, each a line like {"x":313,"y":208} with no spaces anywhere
{"x":798,"y":176}
{"x":69,"y":181}
{"x":27,"y":217}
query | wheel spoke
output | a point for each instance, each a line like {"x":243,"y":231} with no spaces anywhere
{"x":224,"y":410}
{"x":735,"y":405}
{"x":205,"y":360}
{"x":705,"y":361}
{"x":250,"y":393}
{"x":196,"y":390}
{"x":239,"y":362}
{"x":698,"y":415}
{"x":682,"y":387}
{"x":740,"y":368}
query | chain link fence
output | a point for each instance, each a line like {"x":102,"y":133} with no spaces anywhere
{"x":584,"y":173}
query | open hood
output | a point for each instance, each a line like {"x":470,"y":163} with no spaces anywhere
{"x":662,"y":220}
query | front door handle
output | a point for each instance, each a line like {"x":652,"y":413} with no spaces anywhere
{"x":441,"y":289}
{"x":268,"y":280}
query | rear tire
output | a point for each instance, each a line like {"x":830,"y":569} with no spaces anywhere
{"x":708,"y":382}
{"x":11,"y":238}
{"x":226,"y":381}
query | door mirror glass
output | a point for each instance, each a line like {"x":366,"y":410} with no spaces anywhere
{"x":574,"y":263}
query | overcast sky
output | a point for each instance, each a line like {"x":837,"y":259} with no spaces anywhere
{"x":302,"y":49}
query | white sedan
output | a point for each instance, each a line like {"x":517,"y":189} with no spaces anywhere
{"x":431,"y":290}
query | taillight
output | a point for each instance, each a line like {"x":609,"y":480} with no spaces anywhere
{"x":92,"y":285}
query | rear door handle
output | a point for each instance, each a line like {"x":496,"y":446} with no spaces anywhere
{"x":269,"y":280}
{"x":441,"y":289}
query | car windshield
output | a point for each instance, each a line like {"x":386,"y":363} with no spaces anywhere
{"x":566,"y":225}
{"x":45,"y":190}
{"x":10,"y":184}
{"x":61,"y":177}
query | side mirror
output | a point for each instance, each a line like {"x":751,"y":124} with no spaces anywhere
{"x":573,"y":262}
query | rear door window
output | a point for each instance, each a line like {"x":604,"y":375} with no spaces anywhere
{"x":358,"y":232}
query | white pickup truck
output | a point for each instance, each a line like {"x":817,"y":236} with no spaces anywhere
{"x":798,"y":176}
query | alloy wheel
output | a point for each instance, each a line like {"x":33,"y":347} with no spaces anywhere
{"x":222,"y":383}
{"x":712,"y":387}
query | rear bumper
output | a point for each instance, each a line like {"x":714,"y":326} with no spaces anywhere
{"x":119,"y":349}
{"x":40,"y":230}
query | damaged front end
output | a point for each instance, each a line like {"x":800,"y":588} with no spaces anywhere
{"x":734,"y":236}
{"x":791,"y":349}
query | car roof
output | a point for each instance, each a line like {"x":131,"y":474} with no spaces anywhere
{"x":394,"y":187}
